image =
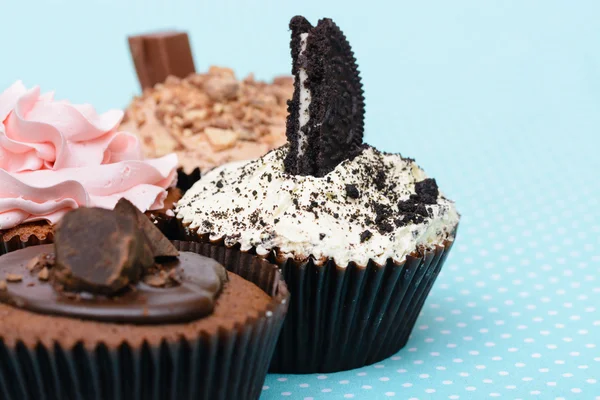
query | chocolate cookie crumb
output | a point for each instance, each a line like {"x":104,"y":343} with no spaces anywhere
{"x":352,"y":192}
{"x":366,"y":235}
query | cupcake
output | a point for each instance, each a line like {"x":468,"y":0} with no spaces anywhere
{"x":56,"y":156}
{"x":114,"y":310}
{"x":210,"y":119}
{"x":359,"y":234}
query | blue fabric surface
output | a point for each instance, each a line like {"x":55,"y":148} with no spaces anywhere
{"x":500,"y":102}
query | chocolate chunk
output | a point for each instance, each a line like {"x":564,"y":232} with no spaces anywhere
{"x":99,"y":251}
{"x":352,"y":192}
{"x":159,"y":245}
{"x":328,"y":97}
{"x":427,"y":190}
{"x":159,"y":55}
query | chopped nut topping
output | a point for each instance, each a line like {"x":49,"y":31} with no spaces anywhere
{"x":211,"y":118}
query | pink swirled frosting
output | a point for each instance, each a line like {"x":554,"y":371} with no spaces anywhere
{"x":56,"y":156}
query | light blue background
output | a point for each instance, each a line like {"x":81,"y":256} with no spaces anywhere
{"x":500,"y":101}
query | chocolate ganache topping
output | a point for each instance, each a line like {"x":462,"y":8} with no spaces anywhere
{"x":113,"y":266}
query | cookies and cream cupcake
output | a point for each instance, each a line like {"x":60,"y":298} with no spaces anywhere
{"x":360,"y":234}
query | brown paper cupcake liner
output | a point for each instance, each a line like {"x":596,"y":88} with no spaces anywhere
{"x":231,"y":364}
{"x":345,"y":318}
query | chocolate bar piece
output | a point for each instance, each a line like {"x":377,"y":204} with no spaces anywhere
{"x":158,"y":55}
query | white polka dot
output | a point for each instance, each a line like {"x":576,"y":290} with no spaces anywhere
{"x":265,"y":388}
{"x":361,"y":374}
{"x":527,"y":379}
{"x":282,"y":379}
{"x":503,"y":373}
{"x":304,"y":385}
{"x":367,"y":387}
{"x":591,"y":380}
{"x":576,"y":390}
{"x":429,"y":390}
{"x":379,"y":366}
{"x":447,"y":382}
{"x":348,"y":396}
{"x":454,"y":397}
{"x":286,"y":393}
{"x":407,"y":384}
{"x":494,"y":394}
{"x":464,"y":374}
{"x":344,"y":382}
{"x":322,"y":377}
{"x":326,"y":390}
{"x":384,"y":379}
{"x":390,"y":394}
{"x":471,"y":388}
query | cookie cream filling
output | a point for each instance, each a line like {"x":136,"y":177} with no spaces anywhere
{"x":376,"y":206}
{"x":305,"y":98}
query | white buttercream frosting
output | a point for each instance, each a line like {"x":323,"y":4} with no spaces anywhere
{"x":361,"y":210}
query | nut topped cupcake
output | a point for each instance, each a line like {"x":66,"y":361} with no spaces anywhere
{"x":210,"y":118}
{"x":360,"y":234}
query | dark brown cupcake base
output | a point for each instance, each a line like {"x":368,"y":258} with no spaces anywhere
{"x":230,"y":364}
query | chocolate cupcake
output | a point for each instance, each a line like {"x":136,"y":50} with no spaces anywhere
{"x":58,"y":156}
{"x":360,"y":234}
{"x":113,"y":310}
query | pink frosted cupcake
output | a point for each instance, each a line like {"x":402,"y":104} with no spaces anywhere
{"x":56,"y":156}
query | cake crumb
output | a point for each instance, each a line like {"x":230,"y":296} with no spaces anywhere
{"x":14,"y":278}
{"x":3,"y":286}
{"x":44,"y":274}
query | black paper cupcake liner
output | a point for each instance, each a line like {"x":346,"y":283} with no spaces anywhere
{"x":16,"y":243}
{"x":231,"y":364}
{"x":346,"y":318}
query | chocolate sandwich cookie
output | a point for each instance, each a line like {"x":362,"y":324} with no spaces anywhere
{"x":140,"y":316}
{"x":325,"y":125}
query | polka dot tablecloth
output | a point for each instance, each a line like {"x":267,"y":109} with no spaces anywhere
{"x":515,"y":312}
